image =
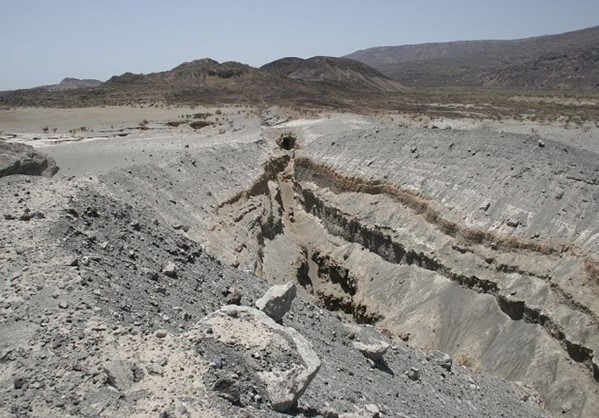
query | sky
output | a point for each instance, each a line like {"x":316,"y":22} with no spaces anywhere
{"x":43,"y":41}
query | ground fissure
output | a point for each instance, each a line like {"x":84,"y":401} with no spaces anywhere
{"x":301,"y":185}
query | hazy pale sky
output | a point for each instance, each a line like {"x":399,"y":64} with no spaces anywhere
{"x":43,"y":41}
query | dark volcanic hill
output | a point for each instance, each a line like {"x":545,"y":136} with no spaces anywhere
{"x":316,"y":81}
{"x":329,"y":69}
{"x":526,"y":62}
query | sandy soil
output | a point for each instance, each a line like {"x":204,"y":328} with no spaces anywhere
{"x":114,"y":133}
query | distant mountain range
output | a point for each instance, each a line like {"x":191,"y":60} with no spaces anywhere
{"x":316,"y":81}
{"x":569,"y":61}
{"x":565,"y":61}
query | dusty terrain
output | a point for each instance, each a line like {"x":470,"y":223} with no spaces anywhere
{"x":479,"y":241}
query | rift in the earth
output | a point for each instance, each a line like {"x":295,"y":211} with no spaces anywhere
{"x":308,"y":177}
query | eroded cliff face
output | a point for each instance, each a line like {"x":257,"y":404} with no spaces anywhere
{"x":482,"y":245}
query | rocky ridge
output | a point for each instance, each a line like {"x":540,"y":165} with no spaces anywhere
{"x":555,"y":62}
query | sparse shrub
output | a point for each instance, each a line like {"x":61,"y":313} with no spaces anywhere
{"x":176,"y":123}
{"x":199,"y":124}
{"x":45,"y":129}
{"x":465,"y":360}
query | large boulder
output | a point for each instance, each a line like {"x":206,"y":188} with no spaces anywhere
{"x":277,"y":361}
{"x":16,"y":158}
{"x":276,"y":302}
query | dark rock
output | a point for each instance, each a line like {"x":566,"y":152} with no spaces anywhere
{"x":26,"y":216}
{"x":135,"y":225}
{"x":513,"y":223}
{"x":18,"y":382}
{"x":233,"y":296}
{"x":72,"y":211}
{"x":227,"y":387}
{"x":169,"y":269}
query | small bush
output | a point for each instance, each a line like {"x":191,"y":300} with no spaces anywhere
{"x":176,"y":123}
{"x":199,"y":124}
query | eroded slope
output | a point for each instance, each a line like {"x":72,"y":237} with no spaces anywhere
{"x":480,"y":244}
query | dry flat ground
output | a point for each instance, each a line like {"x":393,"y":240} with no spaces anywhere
{"x":474,"y":237}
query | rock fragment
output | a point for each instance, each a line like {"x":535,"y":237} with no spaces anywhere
{"x":373,"y":351}
{"x":16,"y":158}
{"x":169,"y":269}
{"x":513,"y":223}
{"x":413,"y":374}
{"x":276,"y":302}
{"x":233,"y":296}
{"x":441,"y":359}
{"x":119,"y":374}
{"x":18,"y":382}
{"x":291,"y":366}
{"x":73,"y":262}
{"x":228,"y":388}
